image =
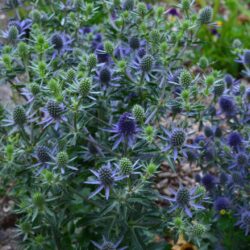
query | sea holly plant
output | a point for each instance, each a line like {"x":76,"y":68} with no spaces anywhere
{"x":109,"y":92}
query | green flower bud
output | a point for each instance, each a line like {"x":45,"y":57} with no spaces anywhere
{"x":237,"y":44}
{"x":23,"y":50}
{"x":13,"y":33}
{"x":108,"y":47}
{"x":205,"y":15}
{"x":71,"y":74}
{"x":126,"y":166}
{"x":141,"y":9}
{"x":138,"y":112}
{"x":7,"y":49}
{"x":203,"y":62}
{"x":62,"y":158}
{"x":198,"y":230}
{"x":219,"y":88}
{"x":210,"y":80}
{"x":185,"y":78}
{"x":92,"y":61}
{"x":147,"y":63}
{"x":149,"y":133}
{"x":7,"y":60}
{"x":34,"y":88}
{"x":155,"y":36}
{"x":36,"y":16}
{"x":19,"y":116}
{"x":185,"y":5}
{"x":42,"y":68}
{"x":85,"y":87}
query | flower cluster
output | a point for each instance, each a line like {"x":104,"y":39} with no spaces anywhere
{"x":109,"y":91}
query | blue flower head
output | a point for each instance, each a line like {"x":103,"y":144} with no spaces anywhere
{"x":184,"y":199}
{"x":227,"y":106}
{"x":234,"y":140}
{"x":208,"y":181}
{"x":106,"y":179}
{"x":125,"y":130}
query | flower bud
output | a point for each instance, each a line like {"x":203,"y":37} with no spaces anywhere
{"x":92,"y":61}
{"x":206,"y":15}
{"x":19,"y":116}
{"x":126,"y":166}
{"x":85,"y":87}
{"x":108,"y":47}
{"x":138,"y":112}
{"x":147,"y":63}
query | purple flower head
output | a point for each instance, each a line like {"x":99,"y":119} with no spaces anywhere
{"x":101,"y":54}
{"x":44,"y":156}
{"x":19,"y":118}
{"x":173,"y":12}
{"x":22,"y":26}
{"x":244,"y":220}
{"x":109,"y":245}
{"x":184,"y":199}
{"x":240,"y":160}
{"x":53,"y":113}
{"x":245,"y":58}
{"x":125,"y":130}
{"x":177,"y":142}
{"x":229,"y":80}
{"x":106,"y":179}
{"x":105,"y":76}
{"x":227,"y":106}
{"x":208,"y":181}
{"x":61,"y":43}
{"x":232,"y":84}
{"x":221,"y":203}
{"x":234,"y":140}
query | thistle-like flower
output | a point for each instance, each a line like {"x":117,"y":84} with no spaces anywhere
{"x":227,"y":106}
{"x":44,"y":156}
{"x":61,"y":43}
{"x":177,"y":142}
{"x":185,"y":200}
{"x":19,"y":118}
{"x":208,"y":181}
{"x":109,"y":245}
{"x":106,"y":179}
{"x":53,"y":113}
{"x":235,"y":140}
{"x":126,"y":130}
{"x":62,"y":162}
